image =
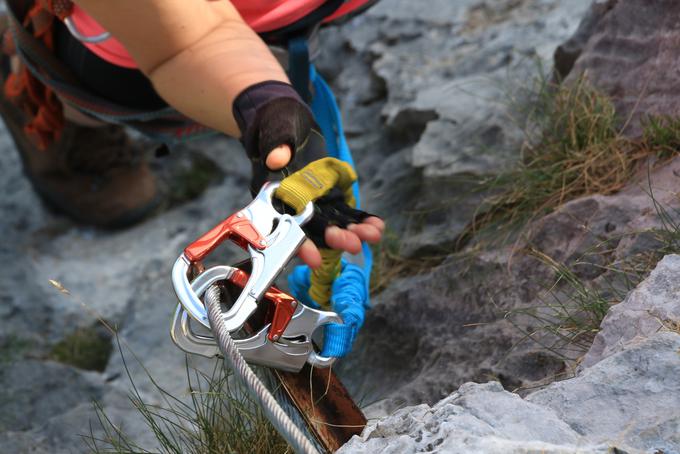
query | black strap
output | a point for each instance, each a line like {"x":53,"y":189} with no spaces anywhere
{"x":298,"y":66}
{"x":53,"y":72}
{"x":352,"y":14}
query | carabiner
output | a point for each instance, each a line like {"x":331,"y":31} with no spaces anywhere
{"x":284,"y":343}
{"x":271,"y":239}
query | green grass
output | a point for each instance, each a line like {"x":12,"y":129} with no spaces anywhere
{"x":661,"y":135}
{"x":219,"y":417}
{"x":192,"y":179}
{"x":568,"y":313}
{"x":388,"y":263}
{"x":13,"y":348}
{"x":574,"y":147}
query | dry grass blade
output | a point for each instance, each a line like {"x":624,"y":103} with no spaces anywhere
{"x":573,"y":148}
{"x":568,"y":314}
{"x":390,"y":264}
{"x":220,"y":418}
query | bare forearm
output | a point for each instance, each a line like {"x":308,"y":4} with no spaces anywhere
{"x":203,"y":81}
{"x":198,"y":54}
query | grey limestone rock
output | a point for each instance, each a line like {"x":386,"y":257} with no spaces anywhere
{"x":121,"y":277}
{"x":476,"y":418}
{"x":422,"y":95}
{"x":461,"y":68}
{"x":627,"y":401}
{"x":629,"y":398}
{"x":652,"y":307}
{"x":445,"y":83}
{"x":628,"y":49}
{"x":450,"y":321}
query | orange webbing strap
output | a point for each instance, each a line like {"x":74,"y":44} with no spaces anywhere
{"x":39,"y":103}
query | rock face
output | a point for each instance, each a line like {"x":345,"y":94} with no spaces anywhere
{"x":627,"y":399}
{"x":444,"y":87}
{"x":628,"y":49}
{"x":652,"y":307}
{"x":476,"y":418}
{"x":463,"y":301}
{"x":121,"y":277}
{"x":453,"y":313}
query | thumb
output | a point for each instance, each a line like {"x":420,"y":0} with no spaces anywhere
{"x":279,"y":157}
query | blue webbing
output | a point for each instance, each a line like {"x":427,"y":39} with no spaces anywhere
{"x":350,"y":291}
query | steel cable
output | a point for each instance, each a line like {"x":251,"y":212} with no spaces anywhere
{"x":282,"y":423}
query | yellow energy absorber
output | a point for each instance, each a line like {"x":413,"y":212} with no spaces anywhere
{"x":306,"y":185}
{"x":322,"y":278}
{"x":315,"y":180}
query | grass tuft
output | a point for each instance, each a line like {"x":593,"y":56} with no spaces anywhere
{"x":192,"y":178}
{"x":661,"y":135}
{"x":568,"y":315}
{"x":573,"y":148}
{"x":389,"y":264}
{"x":219,"y":417}
{"x":570,"y":311}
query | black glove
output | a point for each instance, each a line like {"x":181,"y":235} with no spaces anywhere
{"x":271,"y":114}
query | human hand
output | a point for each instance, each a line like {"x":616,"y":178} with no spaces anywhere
{"x":335,"y":223}
{"x":348,"y":239}
{"x":279,"y":157}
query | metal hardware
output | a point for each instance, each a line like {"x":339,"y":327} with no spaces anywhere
{"x":270,"y":249}
{"x":95,"y":39}
{"x":288,"y":351}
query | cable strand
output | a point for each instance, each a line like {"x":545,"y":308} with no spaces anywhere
{"x":282,"y":423}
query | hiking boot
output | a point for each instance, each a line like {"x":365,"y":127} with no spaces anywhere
{"x":96,"y":176}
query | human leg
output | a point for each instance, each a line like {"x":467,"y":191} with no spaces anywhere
{"x":95,"y":175}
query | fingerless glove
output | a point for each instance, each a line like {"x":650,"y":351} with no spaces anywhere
{"x":271,"y":114}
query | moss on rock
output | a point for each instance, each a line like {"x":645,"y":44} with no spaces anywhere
{"x":86,"y":348}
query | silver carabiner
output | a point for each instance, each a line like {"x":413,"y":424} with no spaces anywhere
{"x":289,"y":352}
{"x":269,"y":250}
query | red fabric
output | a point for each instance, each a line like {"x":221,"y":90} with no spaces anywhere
{"x":267,"y":15}
{"x":110,"y":50}
{"x":260,"y":15}
{"x":39,"y":103}
{"x":347,"y":8}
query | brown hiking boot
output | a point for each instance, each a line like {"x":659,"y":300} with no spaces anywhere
{"x":96,"y":176}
